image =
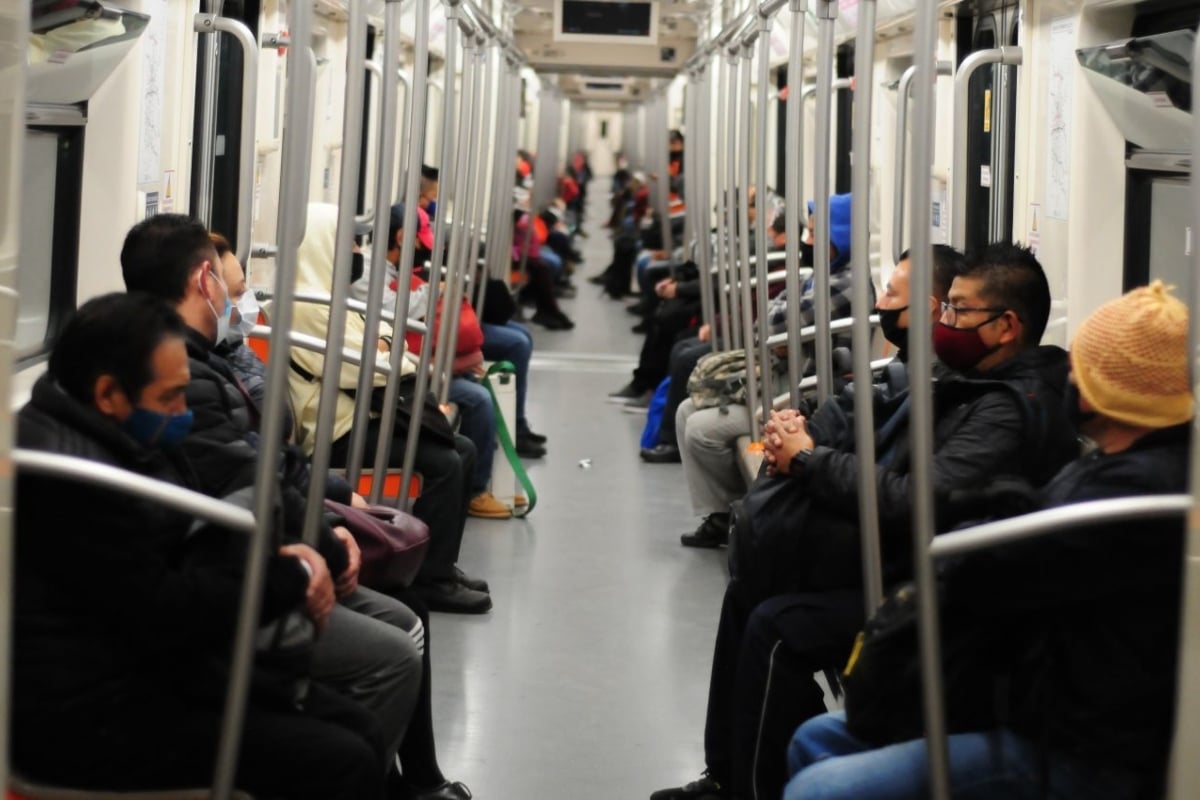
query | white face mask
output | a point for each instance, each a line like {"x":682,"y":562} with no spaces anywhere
{"x":222,"y":318}
{"x":247,"y":309}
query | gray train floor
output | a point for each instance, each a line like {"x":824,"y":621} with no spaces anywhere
{"x":588,"y":680}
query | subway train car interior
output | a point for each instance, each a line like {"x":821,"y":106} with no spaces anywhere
{"x":530,"y":399}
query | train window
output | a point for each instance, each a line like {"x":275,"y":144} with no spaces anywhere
{"x":49,"y":245}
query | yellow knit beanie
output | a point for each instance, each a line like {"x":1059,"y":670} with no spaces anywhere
{"x":1130,"y":359}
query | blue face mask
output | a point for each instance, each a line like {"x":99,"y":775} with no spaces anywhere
{"x":153,"y":429}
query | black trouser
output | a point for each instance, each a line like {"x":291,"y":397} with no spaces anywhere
{"x":330,"y":751}
{"x":788,"y":639}
{"x":653,"y":361}
{"x":539,"y":286}
{"x":684,"y":355}
{"x":445,"y":490}
{"x":757,"y":696}
{"x":418,"y":751}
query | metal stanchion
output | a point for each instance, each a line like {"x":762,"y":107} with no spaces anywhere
{"x":795,"y":200}
{"x":352,"y":124}
{"x":826,"y":22}
{"x":745,"y":269}
{"x":293,"y":191}
{"x":416,"y":147}
{"x":920,"y":365}
{"x":390,"y":79}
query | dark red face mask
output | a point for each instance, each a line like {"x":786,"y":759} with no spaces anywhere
{"x":960,"y":349}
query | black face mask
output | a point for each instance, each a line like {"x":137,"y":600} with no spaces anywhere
{"x":889,"y":323}
{"x":356,"y":267}
{"x":806,"y":254}
{"x":1078,"y":417}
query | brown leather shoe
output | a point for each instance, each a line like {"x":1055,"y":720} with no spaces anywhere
{"x":486,"y":506}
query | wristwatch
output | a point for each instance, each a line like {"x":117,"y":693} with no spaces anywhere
{"x":800,"y":461}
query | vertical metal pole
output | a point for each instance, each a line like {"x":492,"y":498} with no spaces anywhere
{"x":206,"y":143}
{"x":447,"y":196}
{"x":724,"y":340}
{"x":661,"y":147}
{"x":860,"y":231}
{"x":457,"y":266}
{"x":698,"y":178}
{"x":733,"y":185}
{"x":744,"y":111}
{"x":795,"y":207}
{"x":335,"y":335}
{"x":380,"y":244}
{"x":761,"y":245}
{"x":827,"y":11}
{"x":1183,"y":768}
{"x":14,"y":35}
{"x":502,"y":181}
{"x":920,"y":366}
{"x":293,"y":193}
{"x":416,"y":149}
{"x":405,"y":137}
{"x":484,"y":176}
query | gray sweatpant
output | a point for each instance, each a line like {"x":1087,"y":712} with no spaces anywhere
{"x":371,"y":652}
{"x":708,"y":444}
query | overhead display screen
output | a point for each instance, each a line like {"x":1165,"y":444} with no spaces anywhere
{"x":597,"y":21}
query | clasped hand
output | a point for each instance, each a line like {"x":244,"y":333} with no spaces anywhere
{"x":784,"y":435}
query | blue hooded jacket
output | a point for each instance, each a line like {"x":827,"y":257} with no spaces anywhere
{"x":839,"y":228}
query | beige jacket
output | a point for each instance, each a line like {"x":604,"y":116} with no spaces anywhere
{"x":314,"y":272}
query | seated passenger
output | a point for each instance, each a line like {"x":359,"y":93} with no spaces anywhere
{"x":1091,"y":615}
{"x":685,"y":354}
{"x":477,"y":420}
{"x":707,"y":438}
{"x":116,"y":625}
{"x":445,"y":460}
{"x":539,"y":286}
{"x":1000,"y":415}
{"x":369,"y":650}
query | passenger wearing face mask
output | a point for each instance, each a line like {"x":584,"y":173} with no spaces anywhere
{"x":1001,"y":415}
{"x":762,"y":680}
{"x":250,"y":369}
{"x":1091,"y":613}
{"x":118,"y":619}
{"x":370,"y":647}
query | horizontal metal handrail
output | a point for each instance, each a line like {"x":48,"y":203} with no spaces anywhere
{"x":317,"y":345}
{"x":773,"y":257}
{"x":1055,"y":520}
{"x":809,"y":333}
{"x":809,"y":383}
{"x":107,"y":476}
{"x":317,"y":298}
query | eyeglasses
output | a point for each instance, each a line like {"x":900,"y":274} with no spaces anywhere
{"x":950,"y":312}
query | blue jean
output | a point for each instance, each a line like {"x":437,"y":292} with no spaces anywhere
{"x":511,"y":342}
{"x":827,"y":762}
{"x":552,"y":260}
{"x":477,"y":422}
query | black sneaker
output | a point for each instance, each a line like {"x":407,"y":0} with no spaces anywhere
{"x":527,"y":433}
{"x":551,"y":320}
{"x":626,"y":394}
{"x":452,"y":597}
{"x":713,"y":532}
{"x":705,"y":788}
{"x":661,"y":454}
{"x":477,"y":584}
{"x":528,"y":448}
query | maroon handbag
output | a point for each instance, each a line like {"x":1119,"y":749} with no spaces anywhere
{"x":393,"y":544}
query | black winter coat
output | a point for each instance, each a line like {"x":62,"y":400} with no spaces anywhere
{"x":1010,"y":420}
{"x":223,"y":447}
{"x":112,"y":606}
{"x":1091,"y":616}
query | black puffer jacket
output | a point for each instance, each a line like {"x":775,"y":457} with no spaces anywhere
{"x":1008,"y":421}
{"x":1091,"y":615}
{"x":222,"y":447}
{"x":110,"y":604}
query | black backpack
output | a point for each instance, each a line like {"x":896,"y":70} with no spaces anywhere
{"x":882,"y":679}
